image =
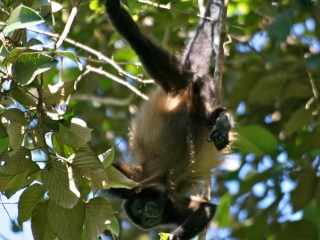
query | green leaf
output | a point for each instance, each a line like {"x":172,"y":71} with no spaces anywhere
{"x":255,"y":139}
{"x":39,"y":223}
{"x":76,"y":134}
{"x":67,"y":54}
{"x":66,"y":223}
{"x":298,"y":119}
{"x":60,"y":147}
{"x":16,"y":164}
{"x":303,"y":229}
{"x":222,"y":216}
{"x":305,"y":190}
{"x":10,"y":184}
{"x":258,"y":93}
{"x":280,"y":29}
{"x":313,"y":62}
{"x":22,"y":17}
{"x":14,"y":121}
{"x":114,"y":227}
{"x":29,"y":65}
{"x":37,"y":139}
{"x":117,"y":179}
{"x":58,"y":179}
{"x":59,"y":93}
{"x":15,"y":53}
{"x":165,"y":236}
{"x":99,"y":214}
{"x":32,"y":42}
{"x":28,"y":200}
{"x":312,"y":212}
{"x":90,"y":164}
{"x":107,"y":157}
{"x":4,"y":144}
{"x":24,"y":97}
{"x":252,"y":178}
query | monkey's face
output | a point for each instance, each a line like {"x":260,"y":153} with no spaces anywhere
{"x":145,"y":212}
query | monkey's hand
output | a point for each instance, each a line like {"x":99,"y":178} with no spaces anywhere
{"x":219,"y":134}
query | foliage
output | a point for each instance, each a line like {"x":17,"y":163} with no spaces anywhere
{"x":44,"y":148}
{"x":271,"y":83}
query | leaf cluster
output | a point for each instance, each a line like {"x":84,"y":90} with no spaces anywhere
{"x":44,"y":149}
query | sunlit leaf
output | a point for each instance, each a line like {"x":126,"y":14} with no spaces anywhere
{"x":22,"y":17}
{"x":117,"y":179}
{"x":14,"y":121}
{"x":114,"y":227}
{"x":59,"y":93}
{"x":67,"y":54}
{"x":29,"y":65}
{"x":107,"y":157}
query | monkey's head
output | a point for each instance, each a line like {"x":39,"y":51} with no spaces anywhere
{"x":145,"y":209}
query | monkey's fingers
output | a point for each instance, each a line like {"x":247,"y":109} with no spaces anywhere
{"x":219,"y":134}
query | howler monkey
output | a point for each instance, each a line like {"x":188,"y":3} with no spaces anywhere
{"x":171,"y":156}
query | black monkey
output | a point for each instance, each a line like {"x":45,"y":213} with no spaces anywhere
{"x":170,"y":154}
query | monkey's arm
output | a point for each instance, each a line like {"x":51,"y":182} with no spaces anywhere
{"x":195,"y":223}
{"x":197,"y":59}
{"x":160,"y":65}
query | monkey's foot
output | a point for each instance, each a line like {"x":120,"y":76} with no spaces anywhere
{"x":219,"y":134}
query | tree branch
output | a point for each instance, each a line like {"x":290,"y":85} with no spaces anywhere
{"x":92,"y":51}
{"x":116,"y":79}
{"x":104,"y":100}
{"x":68,"y":24}
{"x":220,"y":32}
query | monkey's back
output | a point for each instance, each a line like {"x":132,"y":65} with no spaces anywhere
{"x":161,"y":143}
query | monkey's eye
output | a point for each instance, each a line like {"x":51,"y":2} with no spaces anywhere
{"x":137,"y":211}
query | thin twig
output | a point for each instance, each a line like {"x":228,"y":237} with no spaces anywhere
{"x":116,"y":79}
{"x":67,"y":27}
{"x":104,"y":100}
{"x":41,"y":118}
{"x":221,"y":31}
{"x":92,"y":51}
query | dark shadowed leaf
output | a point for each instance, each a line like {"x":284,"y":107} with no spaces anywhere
{"x":66,"y":223}
{"x":305,"y":190}
{"x":28,"y":201}
{"x":303,"y":229}
{"x":98,"y":216}
{"x":39,"y":223}
{"x":58,"y":179}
